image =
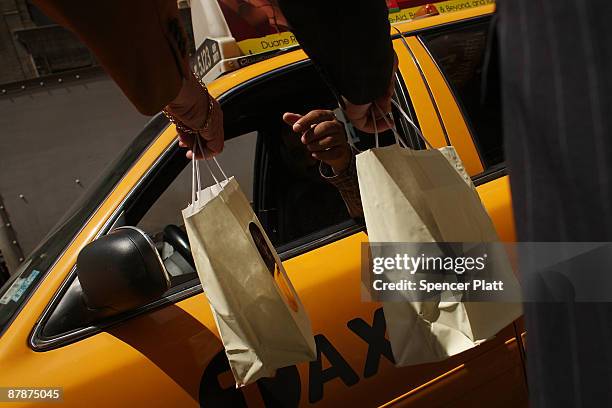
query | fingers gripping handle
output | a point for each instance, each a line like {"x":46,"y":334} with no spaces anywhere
{"x":398,"y":139}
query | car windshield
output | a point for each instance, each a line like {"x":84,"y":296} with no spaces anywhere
{"x":14,"y":293}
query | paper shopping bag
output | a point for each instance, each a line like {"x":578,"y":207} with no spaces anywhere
{"x":261,"y":321}
{"x":426,"y":196}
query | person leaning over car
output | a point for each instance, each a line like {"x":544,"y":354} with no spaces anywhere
{"x":325,"y":139}
{"x":141,"y":44}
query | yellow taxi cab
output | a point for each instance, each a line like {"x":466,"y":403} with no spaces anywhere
{"x":166,"y":352}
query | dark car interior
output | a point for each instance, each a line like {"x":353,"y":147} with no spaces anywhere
{"x":469,"y":58}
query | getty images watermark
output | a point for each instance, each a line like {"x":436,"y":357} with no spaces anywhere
{"x":421,"y":263}
{"x":487,"y":272}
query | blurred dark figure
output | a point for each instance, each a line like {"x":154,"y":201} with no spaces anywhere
{"x":557,"y":98}
{"x":253,"y":18}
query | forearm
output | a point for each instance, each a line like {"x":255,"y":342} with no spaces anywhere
{"x":348,"y":186}
{"x":140,"y":43}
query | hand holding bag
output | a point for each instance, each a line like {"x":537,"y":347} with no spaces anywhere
{"x":261,"y":321}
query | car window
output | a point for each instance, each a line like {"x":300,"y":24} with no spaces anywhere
{"x":274,"y":169}
{"x":295,"y":204}
{"x":236,"y":160}
{"x":468,"y":57}
{"x":163,"y":221}
{"x":276,"y":172}
{"x":296,"y":201}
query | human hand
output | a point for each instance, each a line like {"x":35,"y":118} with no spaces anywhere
{"x":324,"y":136}
{"x":192,"y":108}
{"x":369,"y":117}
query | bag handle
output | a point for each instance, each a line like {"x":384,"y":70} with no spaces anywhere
{"x":196,"y":181}
{"x":398,"y":139}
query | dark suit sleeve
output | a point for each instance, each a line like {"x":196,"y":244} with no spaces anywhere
{"x":140,"y":43}
{"x":350,"y":42}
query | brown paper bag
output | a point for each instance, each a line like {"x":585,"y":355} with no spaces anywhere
{"x":261,"y":321}
{"x":426,"y":196}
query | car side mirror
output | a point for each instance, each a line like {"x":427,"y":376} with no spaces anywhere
{"x":121,"y":271}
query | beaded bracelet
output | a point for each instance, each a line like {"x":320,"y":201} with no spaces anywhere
{"x":180,"y":126}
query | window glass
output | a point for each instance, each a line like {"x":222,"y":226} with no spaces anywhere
{"x":163,"y":222}
{"x":468,"y":58}
{"x":275,"y":170}
{"x":237,"y":160}
{"x":296,"y":200}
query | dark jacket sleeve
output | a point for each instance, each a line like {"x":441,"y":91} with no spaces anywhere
{"x":350,"y":42}
{"x":140,"y":43}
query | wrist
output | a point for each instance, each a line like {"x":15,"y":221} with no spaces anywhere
{"x":338,"y":169}
{"x":192,"y":107}
{"x":340,"y":166}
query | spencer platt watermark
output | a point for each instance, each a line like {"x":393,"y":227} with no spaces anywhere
{"x":430,"y":270}
{"x":413,"y":264}
{"x":428,"y":287}
{"x":568,"y":272}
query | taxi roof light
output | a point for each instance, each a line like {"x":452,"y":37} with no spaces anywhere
{"x":427,"y":10}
